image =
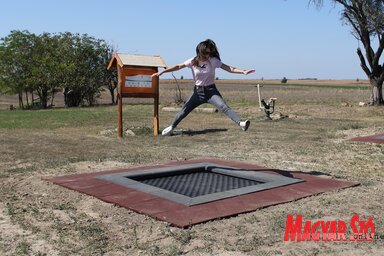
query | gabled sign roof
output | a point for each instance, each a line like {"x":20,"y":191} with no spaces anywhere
{"x":136,"y":60}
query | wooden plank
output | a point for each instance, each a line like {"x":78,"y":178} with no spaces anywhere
{"x":120,"y":104}
{"x":156,"y":108}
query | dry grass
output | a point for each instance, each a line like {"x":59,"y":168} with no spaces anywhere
{"x":39,"y":218}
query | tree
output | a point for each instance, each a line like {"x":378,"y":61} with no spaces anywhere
{"x":109,"y":76}
{"x":46,"y":64}
{"x":15,"y":63}
{"x":81,"y":68}
{"x":86,"y":55}
{"x":30,"y":63}
{"x":366,"y":18}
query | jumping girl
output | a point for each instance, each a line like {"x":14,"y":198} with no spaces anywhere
{"x":203,"y":67}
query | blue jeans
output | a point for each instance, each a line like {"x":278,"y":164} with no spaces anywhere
{"x":205,"y":94}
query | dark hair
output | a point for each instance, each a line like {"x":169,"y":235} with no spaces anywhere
{"x":201,"y":50}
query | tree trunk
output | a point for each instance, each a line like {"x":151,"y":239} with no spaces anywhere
{"x":377,"y":92}
{"x":21,"y":105}
{"x":53,"y":96}
{"x":44,"y":99}
{"x":111,"y":91}
{"x":26,"y":96}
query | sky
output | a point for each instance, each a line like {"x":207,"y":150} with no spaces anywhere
{"x":277,"y":38}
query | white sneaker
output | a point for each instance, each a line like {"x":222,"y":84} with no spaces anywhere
{"x":167,"y":131}
{"x":244,"y":124}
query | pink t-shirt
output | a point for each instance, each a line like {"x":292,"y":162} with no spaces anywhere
{"x":204,"y":73}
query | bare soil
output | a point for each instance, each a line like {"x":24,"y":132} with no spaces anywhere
{"x":40,"y":218}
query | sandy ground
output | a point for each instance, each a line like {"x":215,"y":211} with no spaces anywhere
{"x":40,"y":218}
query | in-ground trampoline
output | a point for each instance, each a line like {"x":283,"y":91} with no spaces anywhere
{"x":192,"y":184}
{"x":185,"y":193}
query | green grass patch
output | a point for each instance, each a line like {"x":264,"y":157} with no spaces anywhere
{"x":67,"y":117}
{"x":64,"y":206}
{"x":23,"y":248}
{"x":54,"y":118}
{"x":349,"y":126}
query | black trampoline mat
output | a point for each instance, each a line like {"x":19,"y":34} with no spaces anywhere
{"x":193,"y":184}
{"x":199,"y":183}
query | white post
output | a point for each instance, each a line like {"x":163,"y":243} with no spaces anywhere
{"x":258,"y":92}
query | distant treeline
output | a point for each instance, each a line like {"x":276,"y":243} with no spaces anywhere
{"x":36,"y":67}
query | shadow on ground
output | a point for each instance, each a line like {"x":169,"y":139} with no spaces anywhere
{"x":198,"y":132}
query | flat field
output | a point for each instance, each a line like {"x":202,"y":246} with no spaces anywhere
{"x":40,"y":218}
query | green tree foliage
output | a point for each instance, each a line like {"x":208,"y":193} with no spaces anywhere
{"x":109,"y":76}
{"x":45,"y":68}
{"x":366,"y":18}
{"x":45,"y":64}
{"x":15,"y":58}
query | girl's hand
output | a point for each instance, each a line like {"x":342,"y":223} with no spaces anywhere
{"x":246,"y":72}
{"x":156,"y":74}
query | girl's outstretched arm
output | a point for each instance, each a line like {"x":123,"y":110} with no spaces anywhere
{"x":236,"y":70}
{"x":174,"y":68}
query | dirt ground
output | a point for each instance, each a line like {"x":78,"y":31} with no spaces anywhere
{"x":40,"y":218}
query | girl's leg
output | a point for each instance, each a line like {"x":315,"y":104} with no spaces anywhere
{"x":217,"y":100}
{"x":193,"y":102}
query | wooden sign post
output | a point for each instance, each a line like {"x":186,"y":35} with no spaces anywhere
{"x":134,"y":80}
